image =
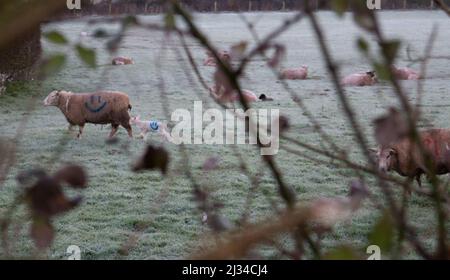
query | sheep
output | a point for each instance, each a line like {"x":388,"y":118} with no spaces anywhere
{"x":222,"y":97}
{"x":404,"y":73}
{"x":360,"y":79}
{"x":122,"y":60}
{"x":405,"y":158}
{"x":101,"y":107}
{"x":295,"y":73}
{"x":155,"y":126}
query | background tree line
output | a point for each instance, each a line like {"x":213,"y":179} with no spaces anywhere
{"x":157,"y":6}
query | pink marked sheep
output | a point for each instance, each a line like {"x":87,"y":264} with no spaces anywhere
{"x":360,"y":79}
{"x":233,"y":97}
{"x":295,"y":73}
{"x":404,"y":157}
{"x":122,"y":60}
{"x":405,"y":73}
{"x":101,"y":107}
{"x":147,"y":126}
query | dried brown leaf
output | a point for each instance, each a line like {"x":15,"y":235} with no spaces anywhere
{"x":47,"y":199}
{"x":211,"y":163}
{"x":73,"y":175}
{"x":390,"y":127}
{"x":278,"y":56}
{"x":42,"y":232}
{"x":153,"y":158}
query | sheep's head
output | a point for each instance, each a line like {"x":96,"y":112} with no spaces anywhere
{"x":53,"y":98}
{"x":134,"y":120}
{"x":386,"y":158}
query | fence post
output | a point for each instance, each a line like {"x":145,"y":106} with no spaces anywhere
{"x":284,"y":6}
{"x":215,"y":6}
{"x":432,"y":4}
{"x":249,"y":5}
{"x":404,"y":4}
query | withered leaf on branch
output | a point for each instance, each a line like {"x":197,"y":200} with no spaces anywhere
{"x":238,"y":50}
{"x":223,"y":87}
{"x":390,"y":127}
{"x":153,"y":158}
{"x":211,"y":163}
{"x":218,"y":223}
{"x":47,"y":199}
{"x":73,"y":175}
{"x":326,"y":212}
{"x":278,"y":56}
{"x":42,"y":232}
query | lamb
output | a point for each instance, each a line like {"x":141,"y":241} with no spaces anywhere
{"x":122,"y":60}
{"x":155,"y":126}
{"x":360,"y":79}
{"x":404,"y":73}
{"x":406,"y":160}
{"x":101,"y":107}
{"x":295,"y":73}
{"x":233,"y":97}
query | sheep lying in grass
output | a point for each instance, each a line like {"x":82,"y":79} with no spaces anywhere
{"x":222,"y":97}
{"x":101,"y":107}
{"x":295,"y":73}
{"x":147,"y":126}
{"x":122,"y":60}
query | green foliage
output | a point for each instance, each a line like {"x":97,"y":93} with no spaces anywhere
{"x":362,"y":45}
{"x":390,"y":49}
{"x":169,"y":20}
{"x":55,"y":37}
{"x":52,"y":65}
{"x":382,"y":234}
{"x":87,"y":55}
{"x":342,"y":253}
{"x":382,"y":71}
{"x":339,"y":6}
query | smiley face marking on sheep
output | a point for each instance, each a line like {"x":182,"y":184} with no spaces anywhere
{"x":91,"y":105}
{"x":154,"y":125}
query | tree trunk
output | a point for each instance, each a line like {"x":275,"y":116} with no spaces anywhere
{"x":19,"y":58}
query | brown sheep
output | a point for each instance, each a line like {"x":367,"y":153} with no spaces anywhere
{"x":98,"y":108}
{"x":406,"y":160}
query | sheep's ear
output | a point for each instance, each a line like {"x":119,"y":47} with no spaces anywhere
{"x":392,"y":152}
{"x":373,"y":150}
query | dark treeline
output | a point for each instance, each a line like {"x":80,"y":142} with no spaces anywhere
{"x":157,"y":6}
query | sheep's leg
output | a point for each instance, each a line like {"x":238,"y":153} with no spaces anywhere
{"x":418,"y":180}
{"x":80,"y":131}
{"x":70,"y":129}
{"x":127,"y":126}
{"x":114,"y":128}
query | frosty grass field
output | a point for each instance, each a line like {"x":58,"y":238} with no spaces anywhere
{"x":117,"y":201}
